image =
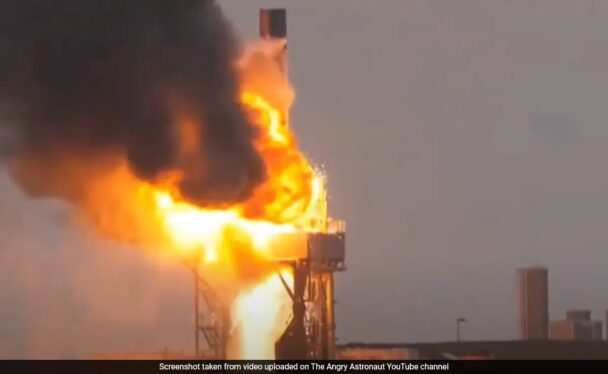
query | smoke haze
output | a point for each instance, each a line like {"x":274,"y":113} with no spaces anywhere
{"x":67,"y":296}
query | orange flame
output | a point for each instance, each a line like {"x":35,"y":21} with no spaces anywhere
{"x":235,"y":238}
{"x":262,"y":313}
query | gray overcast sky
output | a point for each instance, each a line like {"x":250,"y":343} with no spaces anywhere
{"x":462,"y":139}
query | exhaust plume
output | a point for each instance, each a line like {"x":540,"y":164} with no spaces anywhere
{"x":84,"y":83}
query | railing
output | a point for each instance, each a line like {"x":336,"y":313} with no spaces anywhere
{"x":336,"y":226}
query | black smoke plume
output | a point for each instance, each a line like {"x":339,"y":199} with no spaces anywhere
{"x":83,"y":78}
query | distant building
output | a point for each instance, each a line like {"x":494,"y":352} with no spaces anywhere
{"x":578,"y":315}
{"x":577,"y":326}
{"x":569,"y":330}
{"x":596,"y":330}
{"x":532,"y":303}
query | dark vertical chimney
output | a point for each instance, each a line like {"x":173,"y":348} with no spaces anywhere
{"x":273,"y":26}
{"x":273,"y":23}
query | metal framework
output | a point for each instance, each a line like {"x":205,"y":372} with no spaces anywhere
{"x":311,"y":331}
{"x":211,"y":320}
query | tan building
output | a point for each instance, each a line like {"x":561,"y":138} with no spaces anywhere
{"x":569,"y":330}
{"x":577,"y":326}
{"x":532,"y":303}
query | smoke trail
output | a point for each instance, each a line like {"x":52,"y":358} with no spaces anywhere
{"x":150,"y":80}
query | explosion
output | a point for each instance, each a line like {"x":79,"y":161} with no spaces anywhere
{"x":165,"y":137}
{"x":232,"y":238}
{"x":231,"y":244}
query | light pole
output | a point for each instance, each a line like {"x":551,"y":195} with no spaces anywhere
{"x":458,"y":322}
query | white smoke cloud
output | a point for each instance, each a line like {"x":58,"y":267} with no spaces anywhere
{"x":66,"y":294}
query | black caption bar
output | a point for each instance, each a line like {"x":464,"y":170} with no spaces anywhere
{"x":197,"y":366}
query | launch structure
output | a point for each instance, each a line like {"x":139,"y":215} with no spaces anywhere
{"x":314,"y":257}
